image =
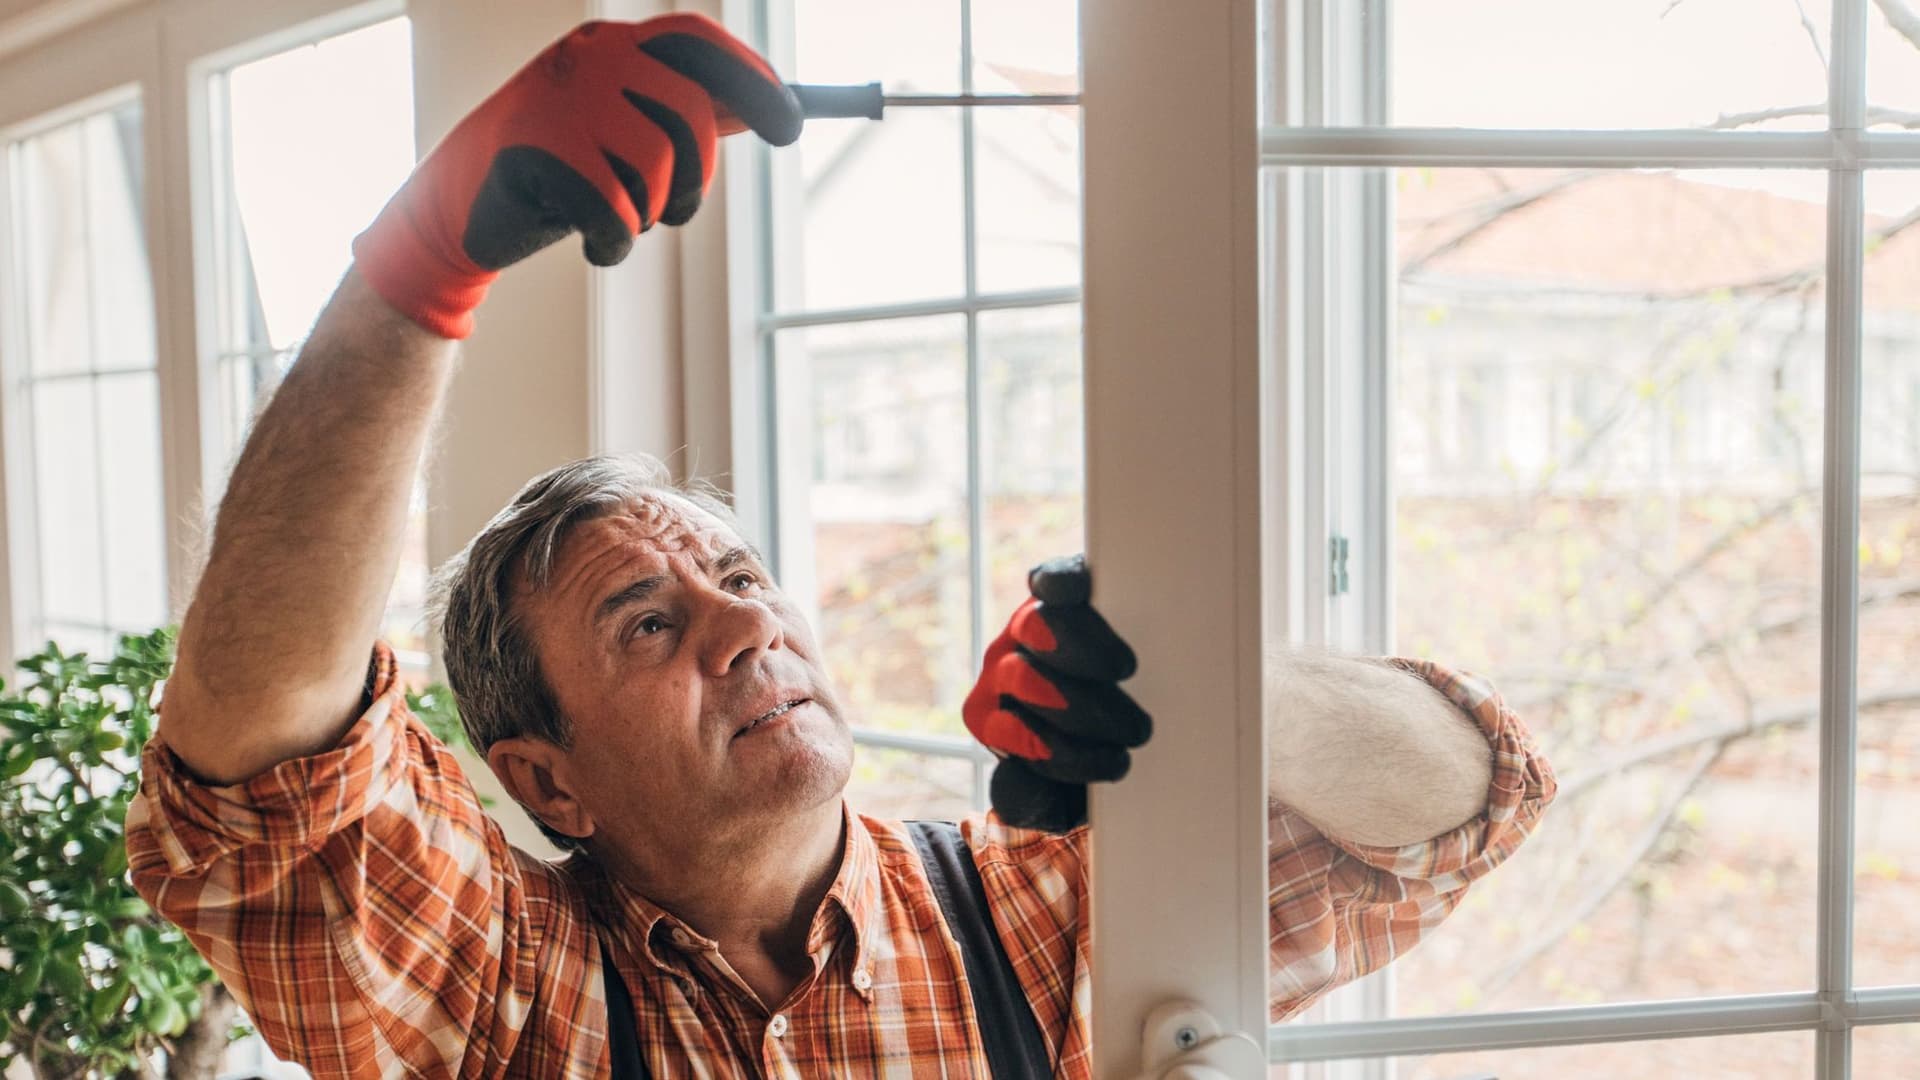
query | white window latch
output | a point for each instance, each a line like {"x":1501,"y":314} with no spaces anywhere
{"x":1182,"y":1041}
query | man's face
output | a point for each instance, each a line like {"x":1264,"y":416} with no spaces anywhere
{"x":698,"y":704}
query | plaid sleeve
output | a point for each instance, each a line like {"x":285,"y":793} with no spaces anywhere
{"x":357,"y":902}
{"x":1339,"y":911}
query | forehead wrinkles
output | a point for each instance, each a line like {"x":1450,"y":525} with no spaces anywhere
{"x":666,"y":527}
{"x":672,"y":525}
{"x":653,"y":526}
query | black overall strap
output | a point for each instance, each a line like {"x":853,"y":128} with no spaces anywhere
{"x":623,"y":1043}
{"x":1015,"y":1048}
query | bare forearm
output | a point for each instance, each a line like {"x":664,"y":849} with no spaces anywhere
{"x":1369,"y":753}
{"x":274,"y":648}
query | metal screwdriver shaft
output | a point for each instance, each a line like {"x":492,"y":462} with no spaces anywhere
{"x":821,"y":102}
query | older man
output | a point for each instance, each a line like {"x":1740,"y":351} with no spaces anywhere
{"x":640,"y":684}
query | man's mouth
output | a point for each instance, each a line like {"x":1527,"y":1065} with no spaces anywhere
{"x":772,"y":714}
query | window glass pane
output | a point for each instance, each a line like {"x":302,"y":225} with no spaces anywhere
{"x":66,"y":449}
{"x":53,"y":228}
{"x":1622,"y":64}
{"x":1033,"y":447}
{"x":116,"y":266}
{"x":1607,"y":408}
{"x":92,"y":474}
{"x":867,"y":213}
{"x":134,"y":538}
{"x":1026,"y":46}
{"x":293,"y":117}
{"x":908,"y":47}
{"x":1786,"y":1055}
{"x":1885,"y":1050}
{"x":885,"y":438}
{"x":1893,"y":66}
{"x":1027,"y":179}
{"x":901,"y":784}
{"x":1887,"y":855}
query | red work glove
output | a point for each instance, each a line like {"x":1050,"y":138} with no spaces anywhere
{"x":609,"y":130}
{"x":1049,"y":702}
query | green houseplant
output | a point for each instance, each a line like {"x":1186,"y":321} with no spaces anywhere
{"x":92,"y":982}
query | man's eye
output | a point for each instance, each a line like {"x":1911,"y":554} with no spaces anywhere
{"x":651,"y":624}
{"x":741,"y":582}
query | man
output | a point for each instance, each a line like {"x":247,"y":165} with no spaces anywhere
{"x":638,"y":681}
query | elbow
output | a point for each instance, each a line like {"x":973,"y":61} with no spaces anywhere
{"x":1397,"y":803}
{"x":1369,"y":755}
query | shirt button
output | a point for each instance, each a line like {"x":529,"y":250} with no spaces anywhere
{"x":682,"y":938}
{"x":778,"y":1025}
{"x":861,"y":980}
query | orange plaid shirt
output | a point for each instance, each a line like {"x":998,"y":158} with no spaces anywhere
{"x":373,"y":920}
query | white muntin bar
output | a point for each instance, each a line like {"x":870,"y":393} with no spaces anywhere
{"x":1889,"y":149}
{"x":930,"y":745}
{"x":970,"y":277}
{"x":1547,"y":1027}
{"x":1888,"y":1005}
{"x":1454,"y":147}
{"x":1840,"y":548}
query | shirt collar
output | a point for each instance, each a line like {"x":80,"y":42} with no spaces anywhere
{"x":855,"y":894}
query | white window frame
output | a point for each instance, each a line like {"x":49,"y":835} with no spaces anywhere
{"x":215,"y":213}
{"x":1835,"y":1005}
{"x":27,"y":624}
{"x":770,"y":487}
{"x":60,"y":60}
{"x":40,"y":90}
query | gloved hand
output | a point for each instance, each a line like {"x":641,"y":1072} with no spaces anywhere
{"x":1048,"y":702}
{"x":609,"y":130}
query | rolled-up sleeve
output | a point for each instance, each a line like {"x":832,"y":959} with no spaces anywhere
{"x":1340,"y":910}
{"x":292,"y":808}
{"x":357,"y":902}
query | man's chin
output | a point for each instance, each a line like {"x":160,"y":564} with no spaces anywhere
{"x":802,"y":761}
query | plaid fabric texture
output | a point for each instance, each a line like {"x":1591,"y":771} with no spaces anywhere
{"x":375,"y":922}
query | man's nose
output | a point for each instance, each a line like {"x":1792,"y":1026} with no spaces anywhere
{"x":740,"y":630}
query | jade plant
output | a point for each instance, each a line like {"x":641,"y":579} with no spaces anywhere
{"x":92,"y":981}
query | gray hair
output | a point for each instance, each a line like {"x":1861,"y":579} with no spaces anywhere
{"x":491,"y":662}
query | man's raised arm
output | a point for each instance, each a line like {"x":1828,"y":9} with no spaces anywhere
{"x":273,"y":652}
{"x":609,"y":131}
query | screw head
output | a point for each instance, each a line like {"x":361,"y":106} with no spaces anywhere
{"x":1186,"y":1038}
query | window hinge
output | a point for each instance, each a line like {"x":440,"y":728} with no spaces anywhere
{"x":1336,"y":565}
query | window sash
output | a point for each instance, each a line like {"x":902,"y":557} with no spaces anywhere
{"x":1834,"y":1006}
{"x":769,"y":485}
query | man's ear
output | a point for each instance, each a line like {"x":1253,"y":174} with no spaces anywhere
{"x":537,"y":774}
